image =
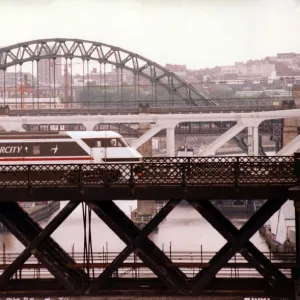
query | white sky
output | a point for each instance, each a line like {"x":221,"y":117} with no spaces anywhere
{"x":199,"y":33}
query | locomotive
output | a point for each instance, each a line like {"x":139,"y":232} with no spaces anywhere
{"x":67,"y":151}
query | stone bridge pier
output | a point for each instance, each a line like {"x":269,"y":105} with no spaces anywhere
{"x":146,"y":208}
{"x":290,"y":130}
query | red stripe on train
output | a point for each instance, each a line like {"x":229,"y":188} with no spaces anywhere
{"x":44,"y":158}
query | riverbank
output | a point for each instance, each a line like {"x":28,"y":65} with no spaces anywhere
{"x":288,"y":246}
{"x":233,"y":208}
{"x":39,"y":213}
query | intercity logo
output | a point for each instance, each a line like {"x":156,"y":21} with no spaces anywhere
{"x":10,"y":149}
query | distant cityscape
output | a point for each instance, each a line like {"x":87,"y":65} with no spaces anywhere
{"x":272,"y":78}
{"x":282,"y":66}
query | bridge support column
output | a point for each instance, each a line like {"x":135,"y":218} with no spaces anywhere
{"x":145,"y":137}
{"x":253,"y":140}
{"x":291,"y":139}
{"x":291,"y":147}
{"x":296,"y":273}
{"x":290,"y":130}
{"x":221,"y":140}
{"x":144,"y":146}
{"x":145,"y":208}
{"x":171,"y":142}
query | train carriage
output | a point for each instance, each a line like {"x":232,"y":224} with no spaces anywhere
{"x":65,"y":150}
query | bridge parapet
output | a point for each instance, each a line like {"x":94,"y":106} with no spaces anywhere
{"x":175,"y":176}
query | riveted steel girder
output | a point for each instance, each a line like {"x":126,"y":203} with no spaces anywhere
{"x":103,"y":53}
{"x":170,"y":281}
{"x":238,"y":241}
{"x":39,"y":243}
{"x":274,"y":276}
{"x":127,"y":288}
{"x":148,"y":252}
{"x":132,"y":246}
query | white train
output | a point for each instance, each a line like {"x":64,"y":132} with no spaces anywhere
{"x":66,"y":149}
{"x":73,"y":147}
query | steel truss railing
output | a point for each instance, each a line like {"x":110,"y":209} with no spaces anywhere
{"x":170,"y":278}
{"x":194,"y":171}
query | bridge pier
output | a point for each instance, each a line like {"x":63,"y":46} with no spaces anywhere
{"x":290,"y":130}
{"x":146,"y":148}
{"x":145,"y":209}
{"x":290,"y":137}
{"x":221,"y":140}
{"x":171,"y":142}
{"x":253,"y":140}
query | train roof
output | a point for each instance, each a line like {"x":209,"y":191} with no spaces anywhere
{"x":59,"y":134}
{"x":93,"y":134}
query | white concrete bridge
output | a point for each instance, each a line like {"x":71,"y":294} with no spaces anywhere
{"x":169,"y":121}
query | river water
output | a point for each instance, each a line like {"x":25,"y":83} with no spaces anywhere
{"x":183,"y":230}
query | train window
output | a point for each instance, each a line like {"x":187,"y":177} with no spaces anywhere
{"x":36,"y":149}
{"x":122,"y":142}
{"x":44,"y":127}
{"x":116,"y":143}
{"x":105,"y":142}
{"x":113,"y":143}
{"x":98,"y":144}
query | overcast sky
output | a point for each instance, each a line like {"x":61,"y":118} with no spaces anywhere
{"x":194,"y":32}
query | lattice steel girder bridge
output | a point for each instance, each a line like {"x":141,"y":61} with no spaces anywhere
{"x":197,"y":180}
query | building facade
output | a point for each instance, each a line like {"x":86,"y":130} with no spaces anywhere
{"x":49,"y":71}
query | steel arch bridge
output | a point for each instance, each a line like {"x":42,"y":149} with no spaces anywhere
{"x":37,"y":50}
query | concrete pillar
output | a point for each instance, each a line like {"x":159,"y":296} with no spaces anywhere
{"x":145,"y":207}
{"x":290,"y":148}
{"x":296,"y":98}
{"x":145,"y":137}
{"x":250,"y":141}
{"x":221,"y":140}
{"x":171,"y":142}
{"x":290,"y":130}
{"x":253,"y":141}
{"x":296,"y":272}
{"x":146,"y":148}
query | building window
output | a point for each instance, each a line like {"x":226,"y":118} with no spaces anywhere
{"x":36,"y":150}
